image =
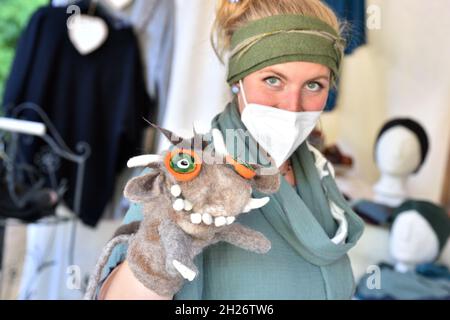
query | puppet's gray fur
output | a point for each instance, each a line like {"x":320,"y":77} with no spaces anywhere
{"x":102,"y":260}
{"x":165,"y":235}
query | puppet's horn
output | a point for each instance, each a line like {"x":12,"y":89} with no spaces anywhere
{"x":199,"y":128}
{"x":256,"y":204}
{"x":200,"y":131}
{"x":144,"y":160}
{"x":219,"y":143}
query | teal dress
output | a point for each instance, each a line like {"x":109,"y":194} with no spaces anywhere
{"x":303,"y":262}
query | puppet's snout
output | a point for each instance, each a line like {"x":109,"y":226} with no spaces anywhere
{"x":218,"y":215}
{"x":209,"y":215}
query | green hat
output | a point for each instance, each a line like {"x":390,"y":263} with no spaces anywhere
{"x":436,"y":216}
{"x":283,"y":38}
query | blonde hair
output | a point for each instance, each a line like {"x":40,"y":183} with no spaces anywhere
{"x":230,"y":16}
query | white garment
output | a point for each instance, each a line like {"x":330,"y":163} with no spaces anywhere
{"x":198,"y":88}
{"x":154,"y":21}
{"x":47,"y":273}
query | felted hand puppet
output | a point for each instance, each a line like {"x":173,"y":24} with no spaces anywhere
{"x":188,"y":203}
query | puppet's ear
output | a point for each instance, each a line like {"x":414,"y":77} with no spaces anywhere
{"x":267,"y":180}
{"x":198,"y":141}
{"x":172,"y":137}
{"x":145,"y":188}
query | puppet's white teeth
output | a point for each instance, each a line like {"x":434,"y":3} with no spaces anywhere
{"x":196,"y":218}
{"x":175,"y":190}
{"x":230,"y":220}
{"x":178,"y":205}
{"x":220,"y":221}
{"x":187,"y":205}
{"x":207,"y":219}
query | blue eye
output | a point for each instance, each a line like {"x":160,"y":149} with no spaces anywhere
{"x":314,"y":86}
{"x":273,"y":81}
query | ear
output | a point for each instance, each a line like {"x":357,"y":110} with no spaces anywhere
{"x":145,"y":188}
{"x":267,"y":180}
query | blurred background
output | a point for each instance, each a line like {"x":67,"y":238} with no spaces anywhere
{"x":61,"y":184}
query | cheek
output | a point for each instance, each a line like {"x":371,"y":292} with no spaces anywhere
{"x":315,"y":102}
{"x":262,"y":94}
{"x":259,"y":93}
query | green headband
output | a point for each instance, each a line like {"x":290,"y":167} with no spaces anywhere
{"x":283,"y":38}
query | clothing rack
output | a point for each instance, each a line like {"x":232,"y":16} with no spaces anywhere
{"x":14,"y":126}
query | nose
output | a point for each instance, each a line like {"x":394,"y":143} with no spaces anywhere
{"x":292,"y":101}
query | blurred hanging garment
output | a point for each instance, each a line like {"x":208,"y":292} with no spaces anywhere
{"x":154,"y":23}
{"x":99,"y":98}
{"x":353,"y":14}
{"x":198,"y":90}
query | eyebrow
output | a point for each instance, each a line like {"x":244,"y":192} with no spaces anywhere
{"x":321,"y":77}
{"x":275,"y":72}
{"x":270,"y":70}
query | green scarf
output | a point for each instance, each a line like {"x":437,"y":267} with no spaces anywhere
{"x":283,"y":38}
{"x":303,"y":262}
{"x":302,"y":215}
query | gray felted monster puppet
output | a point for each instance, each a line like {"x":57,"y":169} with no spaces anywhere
{"x":190,"y":200}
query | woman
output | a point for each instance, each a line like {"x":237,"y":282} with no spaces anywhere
{"x":283,"y":58}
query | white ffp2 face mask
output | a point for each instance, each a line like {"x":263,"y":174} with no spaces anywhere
{"x":278,"y":131}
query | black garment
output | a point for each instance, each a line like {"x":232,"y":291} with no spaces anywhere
{"x":99,"y":98}
{"x":39,"y":206}
{"x":23,"y":194}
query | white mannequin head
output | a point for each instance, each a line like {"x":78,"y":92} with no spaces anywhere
{"x":398,"y":152}
{"x":413,"y":241}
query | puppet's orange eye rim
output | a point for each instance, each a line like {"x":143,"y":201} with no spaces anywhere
{"x":241,"y":169}
{"x":183,"y":177}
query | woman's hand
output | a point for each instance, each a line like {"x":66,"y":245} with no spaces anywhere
{"x":121,"y":284}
